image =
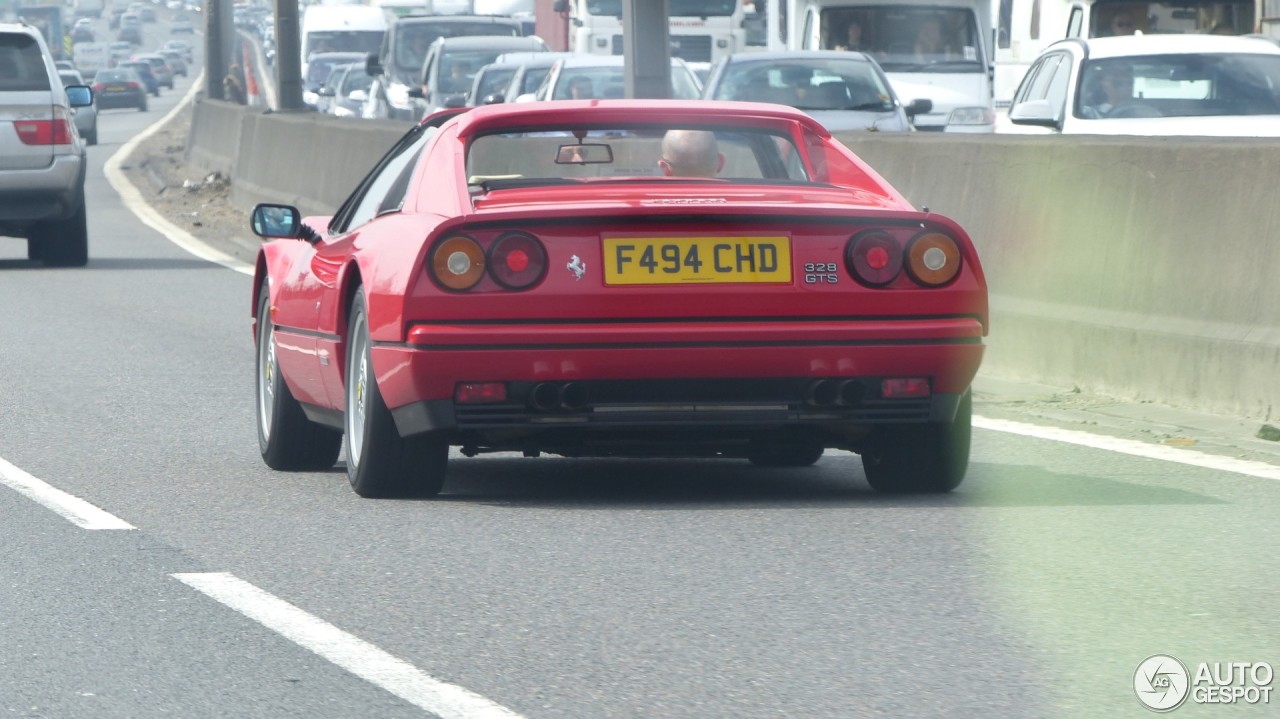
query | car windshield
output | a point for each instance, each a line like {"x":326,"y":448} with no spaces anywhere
{"x":610,"y":83}
{"x":494,"y":79}
{"x":1125,"y":17}
{"x":414,"y":39}
{"x":675,"y":8}
{"x":820,"y":84}
{"x":566,"y":155}
{"x":1182,"y":85}
{"x":907,"y":38}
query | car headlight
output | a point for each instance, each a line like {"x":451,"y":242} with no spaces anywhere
{"x":971,"y":116}
{"x":398,"y":96}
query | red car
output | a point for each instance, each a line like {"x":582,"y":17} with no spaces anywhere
{"x":617,"y":278}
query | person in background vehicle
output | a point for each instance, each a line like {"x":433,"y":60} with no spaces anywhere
{"x":580,"y":88}
{"x":854,"y":38}
{"x":690,"y":153}
{"x":1111,"y":89}
{"x":930,"y":45}
{"x":1122,"y":23}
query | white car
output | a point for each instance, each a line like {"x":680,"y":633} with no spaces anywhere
{"x":1177,"y":84}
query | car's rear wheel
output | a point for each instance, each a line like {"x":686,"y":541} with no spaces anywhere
{"x":381,"y":463}
{"x":91,"y":137}
{"x":64,"y":243}
{"x":287,"y":439}
{"x":924,"y":459}
{"x":142,"y":106}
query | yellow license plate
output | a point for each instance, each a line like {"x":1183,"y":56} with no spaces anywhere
{"x":696,"y":260}
{"x":116,"y":88}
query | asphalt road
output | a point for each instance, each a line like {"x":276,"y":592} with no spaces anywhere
{"x":561,"y":588}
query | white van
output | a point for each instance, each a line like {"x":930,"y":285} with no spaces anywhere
{"x":341,"y":28}
{"x":937,"y":50}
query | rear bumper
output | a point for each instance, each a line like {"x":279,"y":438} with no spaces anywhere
{"x":51,"y":193}
{"x":726,"y":376}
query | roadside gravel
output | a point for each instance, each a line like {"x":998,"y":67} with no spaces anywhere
{"x":195,"y":201}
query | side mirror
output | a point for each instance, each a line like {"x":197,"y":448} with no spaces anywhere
{"x":325,"y":92}
{"x":372,"y":65}
{"x":494,"y":99}
{"x":276,"y":221}
{"x":458,"y":100}
{"x":79,"y":95}
{"x":1039,"y":113}
{"x":561,"y":6}
{"x":919,"y":107}
{"x":357,"y":96}
{"x":417,"y":93}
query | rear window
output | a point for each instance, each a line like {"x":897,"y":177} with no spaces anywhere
{"x":112,"y":76}
{"x":21,"y":64}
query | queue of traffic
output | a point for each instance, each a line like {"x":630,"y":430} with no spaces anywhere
{"x":930,"y":65}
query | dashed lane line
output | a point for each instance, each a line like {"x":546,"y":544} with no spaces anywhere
{"x":448,"y":701}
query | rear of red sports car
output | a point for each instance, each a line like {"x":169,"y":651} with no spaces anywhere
{"x":584,"y":303}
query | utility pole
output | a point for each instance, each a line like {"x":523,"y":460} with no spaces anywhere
{"x":215,"y":46}
{"x":288,"y":56}
{"x":646,"y":48}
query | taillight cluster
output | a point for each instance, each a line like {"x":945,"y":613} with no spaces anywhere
{"x":876,"y":258}
{"x":56,"y":131}
{"x":515,"y":261}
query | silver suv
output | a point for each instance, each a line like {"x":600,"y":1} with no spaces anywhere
{"x":42,"y":156}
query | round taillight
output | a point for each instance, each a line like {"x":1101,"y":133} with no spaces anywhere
{"x":517,"y":261}
{"x":874,"y":258}
{"x":933,"y":259}
{"x":457,"y":263}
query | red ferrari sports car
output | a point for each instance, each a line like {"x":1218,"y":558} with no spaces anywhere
{"x":617,"y":278}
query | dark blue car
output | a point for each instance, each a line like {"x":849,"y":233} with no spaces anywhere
{"x":143,"y":69}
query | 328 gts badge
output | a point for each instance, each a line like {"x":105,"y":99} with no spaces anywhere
{"x":820,"y":273}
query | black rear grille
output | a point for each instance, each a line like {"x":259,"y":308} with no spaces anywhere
{"x":688,"y":403}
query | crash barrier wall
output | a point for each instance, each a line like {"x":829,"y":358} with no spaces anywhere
{"x":1143,"y":268}
{"x":304,"y":159}
{"x":1140,"y":268}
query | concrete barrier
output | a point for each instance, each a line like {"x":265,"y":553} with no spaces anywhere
{"x":1139,"y":268}
{"x":308,"y":160}
{"x":1143,"y":268}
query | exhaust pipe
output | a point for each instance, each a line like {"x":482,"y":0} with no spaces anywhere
{"x":544,"y":397}
{"x":573,"y":397}
{"x":850,"y":392}
{"x":823,"y":393}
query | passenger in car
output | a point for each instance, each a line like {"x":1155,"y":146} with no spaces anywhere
{"x":690,"y":153}
{"x":1110,"y":88}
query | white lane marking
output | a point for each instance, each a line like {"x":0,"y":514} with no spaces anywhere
{"x":70,"y":507}
{"x":135,"y":202}
{"x":1132,"y":447}
{"x":357,"y":656}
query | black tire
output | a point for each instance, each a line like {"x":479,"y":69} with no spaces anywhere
{"x":64,"y":243}
{"x":142,"y":107}
{"x":381,"y":463}
{"x":156,"y":91}
{"x":287,"y":439}
{"x":928,"y":459}
{"x":92,"y":137}
{"x":784,"y":454}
